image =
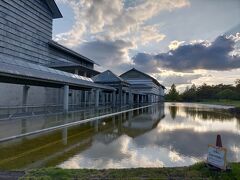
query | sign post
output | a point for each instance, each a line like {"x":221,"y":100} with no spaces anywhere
{"x":217,"y":155}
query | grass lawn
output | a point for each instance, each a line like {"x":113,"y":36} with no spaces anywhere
{"x":197,"y":171}
{"x":222,"y":102}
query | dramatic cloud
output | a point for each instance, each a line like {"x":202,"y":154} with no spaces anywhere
{"x":213,"y":56}
{"x":110,"y":53}
{"x":172,"y":36}
{"x":113,"y":20}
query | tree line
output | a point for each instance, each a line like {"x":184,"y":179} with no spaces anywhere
{"x":205,"y":92}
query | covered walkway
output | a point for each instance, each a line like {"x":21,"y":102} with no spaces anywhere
{"x":16,"y":71}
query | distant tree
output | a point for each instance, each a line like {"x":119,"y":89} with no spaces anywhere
{"x":173,"y":94}
{"x":227,"y":94}
{"x":205,"y":92}
{"x":190,"y":94}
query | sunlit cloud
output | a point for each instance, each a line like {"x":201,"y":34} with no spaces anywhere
{"x":101,"y":156}
{"x":112,"y":20}
{"x":175,"y":44}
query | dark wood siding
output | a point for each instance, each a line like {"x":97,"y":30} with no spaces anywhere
{"x":134,"y":75}
{"x":57,"y":55}
{"x":26,"y":29}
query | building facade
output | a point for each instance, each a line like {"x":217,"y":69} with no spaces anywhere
{"x":26,"y":36}
{"x":37,"y":71}
{"x":144,"y":84}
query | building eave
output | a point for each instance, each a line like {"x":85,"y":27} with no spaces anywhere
{"x":58,"y":46}
{"x":54,"y":9}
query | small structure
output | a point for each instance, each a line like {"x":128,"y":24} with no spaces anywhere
{"x":123,"y":94}
{"x":149,"y":88}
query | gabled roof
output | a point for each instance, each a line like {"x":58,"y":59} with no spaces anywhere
{"x":58,"y":46}
{"x":146,"y":75}
{"x":54,"y":9}
{"x":107,"y":76}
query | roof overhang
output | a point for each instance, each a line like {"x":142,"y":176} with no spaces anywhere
{"x":60,"y":47}
{"x":22,"y":72}
{"x":54,"y":9}
{"x":74,"y":66}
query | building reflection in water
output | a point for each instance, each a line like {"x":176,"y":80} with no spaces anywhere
{"x":55,"y":147}
{"x":145,"y":137}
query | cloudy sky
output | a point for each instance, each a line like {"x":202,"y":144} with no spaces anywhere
{"x":176,"y":41}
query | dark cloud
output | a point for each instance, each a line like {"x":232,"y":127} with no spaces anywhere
{"x":193,"y":56}
{"x":108,"y":54}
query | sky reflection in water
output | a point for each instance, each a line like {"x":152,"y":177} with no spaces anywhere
{"x":170,"y":135}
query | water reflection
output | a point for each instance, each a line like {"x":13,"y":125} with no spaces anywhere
{"x":173,"y":111}
{"x":170,"y":135}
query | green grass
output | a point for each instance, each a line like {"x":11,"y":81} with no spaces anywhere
{"x":223,"y":102}
{"x":197,"y":171}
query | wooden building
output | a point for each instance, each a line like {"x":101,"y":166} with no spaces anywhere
{"x":37,"y":71}
{"x":144,"y":84}
{"x":28,"y":57}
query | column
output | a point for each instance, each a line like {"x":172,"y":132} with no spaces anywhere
{"x":80,"y":97}
{"x":85,"y":98}
{"x":120,"y":95}
{"x":103,"y":99}
{"x":148,"y":98}
{"x":97,"y":97}
{"x":91,"y":97}
{"x":130,"y":98}
{"x":107,"y":98}
{"x":114,"y":98}
{"x":25,"y":95}
{"x":65,"y":98}
{"x":137,"y":98}
{"x":141,"y":98}
{"x":110,"y":98}
{"x":124,"y":98}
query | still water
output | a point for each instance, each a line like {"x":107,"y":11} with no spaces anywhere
{"x":170,"y":134}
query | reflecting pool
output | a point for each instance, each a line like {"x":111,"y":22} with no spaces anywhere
{"x":170,"y":134}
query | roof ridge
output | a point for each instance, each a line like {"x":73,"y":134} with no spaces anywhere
{"x":155,"y":80}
